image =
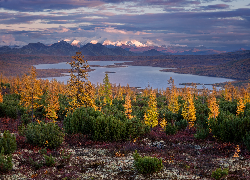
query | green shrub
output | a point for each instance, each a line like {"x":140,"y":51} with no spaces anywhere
{"x":147,"y":165}
{"x":229,"y":128}
{"x":219,"y":173}
{"x":49,"y":160}
{"x":36,"y":164}
{"x":102,"y":127}
{"x":26,"y":119}
{"x":246,"y":140}
{"x":44,"y":134}
{"x":170,"y":129}
{"x":201,"y":133}
{"x":5,"y":162}
{"x":181,"y":124}
{"x":11,"y":106}
{"x":8,"y":142}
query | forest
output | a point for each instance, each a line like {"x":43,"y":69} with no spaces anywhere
{"x":80,"y":130}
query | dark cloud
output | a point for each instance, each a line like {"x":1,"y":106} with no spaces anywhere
{"x":212,"y":25}
{"x":214,"y":7}
{"x":34,"y":5}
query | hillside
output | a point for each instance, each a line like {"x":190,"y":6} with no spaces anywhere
{"x":233,"y":65}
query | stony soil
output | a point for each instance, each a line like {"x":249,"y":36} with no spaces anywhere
{"x":184,"y":157}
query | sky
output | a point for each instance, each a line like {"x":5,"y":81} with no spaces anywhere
{"x":216,"y":24}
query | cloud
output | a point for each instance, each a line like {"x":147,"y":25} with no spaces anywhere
{"x":40,"y":5}
{"x":215,"y":7}
{"x":182,"y":22}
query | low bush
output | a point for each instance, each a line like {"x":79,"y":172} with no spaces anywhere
{"x":246,"y":140}
{"x":8,"y":142}
{"x":219,"y":173}
{"x":147,"y":165}
{"x":49,"y":160}
{"x":229,"y":127}
{"x":170,"y":129}
{"x":44,"y":134}
{"x":5,"y":162}
{"x":102,"y":127}
{"x":201,"y":133}
{"x":181,"y":124}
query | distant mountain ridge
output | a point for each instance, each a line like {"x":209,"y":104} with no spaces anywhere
{"x":63,"y":48}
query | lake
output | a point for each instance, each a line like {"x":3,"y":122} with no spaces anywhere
{"x":135,"y":76}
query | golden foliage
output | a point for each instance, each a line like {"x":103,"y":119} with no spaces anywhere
{"x":173,"y":104}
{"x":240,"y":106}
{"x":52,"y":100}
{"x":213,"y":105}
{"x":128,"y":106}
{"x":1,"y":97}
{"x":188,"y":110}
{"x":151,"y":115}
{"x":30,"y":90}
{"x":79,"y":91}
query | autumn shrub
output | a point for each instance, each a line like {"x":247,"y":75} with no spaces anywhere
{"x":219,"y":173}
{"x":44,"y":134}
{"x":5,"y":162}
{"x":8,"y":142}
{"x":147,"y":165}
{"x":229,"y":127}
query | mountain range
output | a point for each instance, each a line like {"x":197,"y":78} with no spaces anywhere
{"x":63,"y":48}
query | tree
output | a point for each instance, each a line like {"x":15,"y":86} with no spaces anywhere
{"x":107,"y":90}
{"x":240,"y":106}
{"x":188,"y":110}
{"x":80,"y":90}
{"x":31,"y":91}
{"x":1,"y":96}
{"x":151,"y":115}
{"x":213,"y":105}
{"x":52,"y":101}
{"x":128,"y":107}
{"x":173,"y":105}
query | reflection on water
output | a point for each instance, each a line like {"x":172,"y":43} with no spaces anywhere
{"x":136,"y":76}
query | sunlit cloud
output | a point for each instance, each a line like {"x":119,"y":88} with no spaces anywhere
{"x":135,"y":22}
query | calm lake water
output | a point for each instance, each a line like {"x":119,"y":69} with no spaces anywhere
{"x":135,"y":76}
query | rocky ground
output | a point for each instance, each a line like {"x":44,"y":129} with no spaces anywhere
{"x":184,"y":157}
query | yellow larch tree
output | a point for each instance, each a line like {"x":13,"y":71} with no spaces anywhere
{"x":79,"y":90}
{"x":15,"y":85}
{"x":240,"y":106}
{"x":213,"y":105}
{"x":246,"y":94}
{"x":128,"y":106}
{"x":30,"y":91}
{"x":52,"y":101}
{"x":1,"y":96}
{"x":188,"y":110}
{"x":108,"y":97}
{"x":173,"y":104}
{"x":151,"y":115}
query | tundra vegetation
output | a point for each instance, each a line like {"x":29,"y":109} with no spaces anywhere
{"x":48,"y":115}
